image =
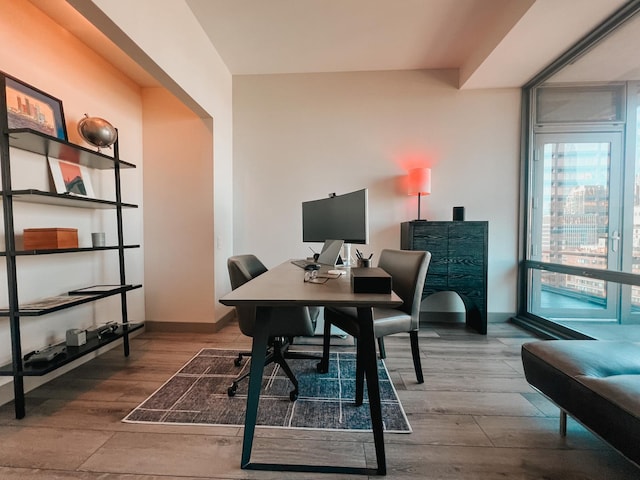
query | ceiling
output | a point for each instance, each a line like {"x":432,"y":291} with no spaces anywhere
{"x":613,"y":59}
{"x":492,"y":43}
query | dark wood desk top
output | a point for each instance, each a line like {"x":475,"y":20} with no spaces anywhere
{"x":284,"y":286}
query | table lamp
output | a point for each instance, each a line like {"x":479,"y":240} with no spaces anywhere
{"x":419,"y":183}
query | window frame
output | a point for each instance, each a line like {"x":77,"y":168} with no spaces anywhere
{"x":545,"y":327}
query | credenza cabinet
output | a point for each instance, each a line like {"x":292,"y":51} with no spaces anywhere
{"x":459,"y":251}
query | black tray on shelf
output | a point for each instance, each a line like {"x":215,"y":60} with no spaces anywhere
{"x":71,"y":353}
{"x":99,"y":289}
{"x":61,"y":302}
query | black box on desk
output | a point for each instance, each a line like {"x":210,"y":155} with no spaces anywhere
{"x":370,"y":280}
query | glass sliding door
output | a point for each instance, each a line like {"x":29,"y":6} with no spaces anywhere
{"x":580,"y":257}
{"x":575,"y":222}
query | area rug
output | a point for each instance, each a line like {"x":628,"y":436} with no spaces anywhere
{"x":197,"y":395}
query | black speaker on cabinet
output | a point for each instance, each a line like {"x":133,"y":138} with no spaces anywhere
{"x":458,"y":214}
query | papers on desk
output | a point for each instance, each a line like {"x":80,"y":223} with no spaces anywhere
{"x":319,"y":279}
{"x":329,"y":274}
{"x":316,"y":277}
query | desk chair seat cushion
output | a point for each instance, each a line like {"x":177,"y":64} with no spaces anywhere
{"x":386,"y":321}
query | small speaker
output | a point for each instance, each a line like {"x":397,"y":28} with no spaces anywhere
{"x":76,"y":337}
{"x":458,"y":214}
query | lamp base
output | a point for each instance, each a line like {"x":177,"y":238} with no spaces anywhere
{"x":420,"y":220}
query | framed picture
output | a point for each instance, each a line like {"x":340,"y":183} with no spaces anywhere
{"x":70,"y":178}
{"x":28,"y":107}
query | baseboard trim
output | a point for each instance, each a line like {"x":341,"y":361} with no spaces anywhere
{"x":189,"y":327}
{"x":459,"y":317}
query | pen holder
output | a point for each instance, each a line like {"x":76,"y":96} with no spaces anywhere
{"x":364,"y":263}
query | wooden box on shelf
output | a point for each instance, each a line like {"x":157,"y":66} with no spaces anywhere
{"x":50,"y":238}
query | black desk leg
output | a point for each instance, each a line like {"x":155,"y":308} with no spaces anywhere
{"x":258,"y":354}
{"x":370,"y":363}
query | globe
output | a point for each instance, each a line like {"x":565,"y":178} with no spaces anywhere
{"x":97,"y":131}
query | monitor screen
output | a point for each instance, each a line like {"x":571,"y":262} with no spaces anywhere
{"x":341,"y":217}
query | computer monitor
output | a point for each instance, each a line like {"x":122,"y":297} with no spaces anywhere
{"x":341,"y":217}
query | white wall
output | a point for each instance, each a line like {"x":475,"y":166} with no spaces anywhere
{"x":166,"y":38}
{"x":300,"y":137}
{"x":178,"y":221}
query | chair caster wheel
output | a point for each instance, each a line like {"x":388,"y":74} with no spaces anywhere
{"x":231,"y":391}
{"x":321,"y":368}
{"x":293,"y":395}
{"x":238,"y":361}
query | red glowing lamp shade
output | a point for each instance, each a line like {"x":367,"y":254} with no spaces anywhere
{"x":419,"y":183}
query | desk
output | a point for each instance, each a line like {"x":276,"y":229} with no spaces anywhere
{"x":284,"y":286}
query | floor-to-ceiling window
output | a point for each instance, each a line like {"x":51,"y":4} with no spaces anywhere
{"x":580,"y":272}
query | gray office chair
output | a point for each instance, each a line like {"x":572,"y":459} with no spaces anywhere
{"x":408,"y":270}
{"x":286,"y":322}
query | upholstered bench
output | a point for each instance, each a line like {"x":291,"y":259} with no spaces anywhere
{"x":596,"y":382}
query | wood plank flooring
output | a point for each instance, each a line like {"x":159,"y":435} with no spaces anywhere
{"x":475,"y":417}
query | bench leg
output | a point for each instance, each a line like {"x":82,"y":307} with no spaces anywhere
{"x":563,"y":423}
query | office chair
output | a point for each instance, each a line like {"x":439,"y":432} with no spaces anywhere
{"x":286,"y":322}
{"x":408,"y":270}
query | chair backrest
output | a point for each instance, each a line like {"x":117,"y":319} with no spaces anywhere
{"x":285,"y":321}
{"x":243,"y":268}
{"x":408,"y":269}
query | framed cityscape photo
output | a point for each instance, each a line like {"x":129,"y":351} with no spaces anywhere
{"x":71,"y":178}
{"x":28,"y":107}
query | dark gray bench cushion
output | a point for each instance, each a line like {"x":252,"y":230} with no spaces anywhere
{"x":596,"y":382}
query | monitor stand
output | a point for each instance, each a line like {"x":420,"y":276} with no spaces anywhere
{"x":346,"y":257}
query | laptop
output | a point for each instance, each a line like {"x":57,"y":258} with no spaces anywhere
{"x":328,"y":255}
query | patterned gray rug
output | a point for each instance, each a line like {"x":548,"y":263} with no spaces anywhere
{"x":197,"y":395}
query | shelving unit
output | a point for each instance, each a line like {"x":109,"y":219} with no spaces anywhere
{"x":47,"y":146}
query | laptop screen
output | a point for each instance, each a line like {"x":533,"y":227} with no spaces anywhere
{"x":330,"y":252}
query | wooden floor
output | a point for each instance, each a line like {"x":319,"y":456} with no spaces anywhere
{"x":475,"y":417}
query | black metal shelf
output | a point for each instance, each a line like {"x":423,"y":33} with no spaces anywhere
{"x":20,"y":253}
{"x":74,"y":301}
{"x":55,"y":148}
{"x":36,"y":142}
{"x":64,"y":200}
{"x":72,"y":353}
